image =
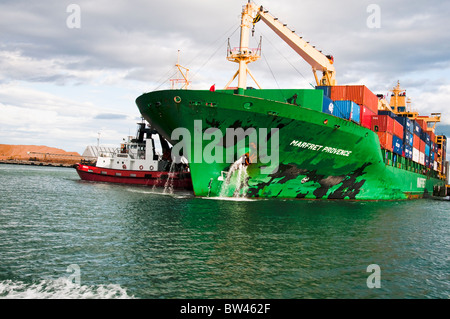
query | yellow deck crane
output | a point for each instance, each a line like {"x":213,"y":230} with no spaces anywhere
{"x":243,"y":55}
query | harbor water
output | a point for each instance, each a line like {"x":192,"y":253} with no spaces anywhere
{"x":66,"y":238}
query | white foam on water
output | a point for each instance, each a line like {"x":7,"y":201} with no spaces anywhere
{"x":61,"y":288}
{"x":239,"y":184}
{"x":168,"y":187}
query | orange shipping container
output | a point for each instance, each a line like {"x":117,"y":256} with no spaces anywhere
{"x":338,"y":92}
{"x":385,"y":140}
{"x":416,"y":142}
{"x":398,"y":129}
{"x":359,"y":94}
{"x":422,"y":146}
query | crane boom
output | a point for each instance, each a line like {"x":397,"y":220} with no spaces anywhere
{"x":243,"y":55}
{"x":315,"y":58}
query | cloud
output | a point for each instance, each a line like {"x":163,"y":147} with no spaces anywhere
{"x":110,"y":116}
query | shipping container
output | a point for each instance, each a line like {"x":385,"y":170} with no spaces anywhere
{"x":389,"y":113}
{"x":422,"y":123}
{"x":427,"y":150}
{"x":408,"y":138}
{"x":427,"y":161}
{"x":382,"y":123}
{"x":359,"y":94}
{"x":397,"y":145}
{"x":356,"y":113}
{"x":338,"y":92}
{"x":407,"y":124}
{"x":408,"y":149}
{"x":425,"y":137}
{"x":421,"y":158}
{"x":328,"y":105}
{"x":417,"y":128}
{"x":397,"y":129}
{"x":422,"y":146}
{"x":342,"y":109}
{"x":435,"y":166}
{"x":432,"y":156}
{"x":416,"y":155}
{"x":385,"y":140}
{"x":326,"y":90}
{"x":416,"y":141}
{"x":432,"y":137}
{"x":366,"y":117}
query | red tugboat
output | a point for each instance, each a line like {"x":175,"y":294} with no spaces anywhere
{"x":136,"y":162}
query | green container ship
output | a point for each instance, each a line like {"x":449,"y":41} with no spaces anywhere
{"x":288,"y":143}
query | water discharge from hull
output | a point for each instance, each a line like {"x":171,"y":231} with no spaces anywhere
{"x":236,"y":181}
{"x":168,"y":187}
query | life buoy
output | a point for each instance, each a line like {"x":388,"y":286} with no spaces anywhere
{"x":151,"y":167}
{"x":124,"y":166}
{"x":141,"y":167}
{"x":177,"y":99}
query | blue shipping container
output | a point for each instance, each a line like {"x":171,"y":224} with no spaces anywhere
{"x":417,"y":129}
{"x":397,"y":145}
{"x":424,"y":136}
{"x":387,"y":113}
{"x":427,"y":161}
{"x":326,"y":90}
{"x":427,"y":150}
{"x":408,"y":151}
{"x":356,"y":113}
{"x":407,"y":124}
{"x":342,"y":109}
{"x":408,"y":138}
{"x":432,"y":156}
{"x":328,"y":105}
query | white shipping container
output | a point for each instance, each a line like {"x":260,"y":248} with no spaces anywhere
{"x":435,"y":166}
{"x":421,"y":158}
{"x":415,"y":155}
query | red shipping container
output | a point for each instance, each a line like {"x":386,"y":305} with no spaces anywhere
{"x":385,"y":140}
{"x":398,"y":129}
{"x":382,"y":123}
{"x":361,"y":95}
{"x":422,"y":146}
{"x":422,"y":123}
{"x":416,"y":142}
{"x":432,"y":136}
{"x":366,"y":117}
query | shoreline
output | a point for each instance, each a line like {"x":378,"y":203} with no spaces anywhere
{"x":36,"y":163}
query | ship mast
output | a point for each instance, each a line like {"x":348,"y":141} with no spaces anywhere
{"x":244,"y":55}
{"x":184,"y":73}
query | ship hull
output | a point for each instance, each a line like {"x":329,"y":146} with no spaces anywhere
{"x":320,"y":156}
{"x":131,"y":177}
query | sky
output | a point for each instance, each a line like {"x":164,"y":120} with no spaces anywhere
{"x":70,"y":71}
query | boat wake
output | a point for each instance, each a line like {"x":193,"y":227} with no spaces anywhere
{"x":61,"y":288}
